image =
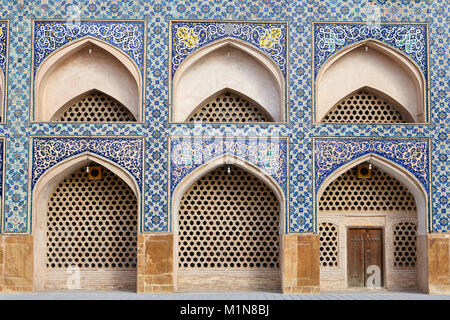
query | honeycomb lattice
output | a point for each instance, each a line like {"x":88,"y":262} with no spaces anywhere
{"x":229,"y":107}
{"x":96,"y":107}
{"x":228,"y":221}
{"x":405,"y":245}
{"x":328,"y":233}
{"x":364,"y":107}
{"x":380,"y":192}
{"x":92,"y":224}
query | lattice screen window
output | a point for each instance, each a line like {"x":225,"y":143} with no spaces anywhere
{"x":228,"y":220}
{"x":92,"y":224}
{"x":405,"y":237}
{"x":96,"y":107}
{"x":229,"y":107}
{"x":328,"y":233}
{"x":364,"y":107}
{"x":380,"y":192}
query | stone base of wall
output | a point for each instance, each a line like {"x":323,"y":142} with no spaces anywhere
{"x":16,"y":263}
{"x":155,"y":263}
{"x":228,"y":281}
{"x":301,"y":264}
{"x":439,"y":263}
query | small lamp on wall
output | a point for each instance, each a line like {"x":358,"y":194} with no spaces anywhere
{"x":364,"y":171}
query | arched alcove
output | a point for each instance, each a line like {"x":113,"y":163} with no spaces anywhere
{"x":371,"y":64}
{"x":43,"y":190}
{"x":419,"y":194}
{"x":227,"y":64}
{"x":80,"y":67}
{"x":194,"y":177}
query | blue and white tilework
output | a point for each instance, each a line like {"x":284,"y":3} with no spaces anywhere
{"x":411,"y":39}
{"x":4,"y":47}
{"x":270,"y":155}
{"x":128,"y":36}
{"x":411,"y":154}
{"x":188,"y":36}
{"x":156,"y":130}
{"x":126,"y":152}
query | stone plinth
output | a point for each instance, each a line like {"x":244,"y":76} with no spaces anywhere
{"x":439,"y":263}
{"x":301,"y":264}
{"x":16,"y":255}
{"x":155,"y":263}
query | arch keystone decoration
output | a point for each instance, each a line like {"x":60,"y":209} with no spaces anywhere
{"x":391,"y":58}
{"x":236,"y":56}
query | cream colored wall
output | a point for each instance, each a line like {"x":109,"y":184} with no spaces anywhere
{"x":375,"y":66}
{"x":75,"y":70}
{"x":227,"y":65}
{"x":335,"y":278}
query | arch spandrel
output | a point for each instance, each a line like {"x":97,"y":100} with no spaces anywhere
{"x":390,"y":159}
{"x":392,"y":58}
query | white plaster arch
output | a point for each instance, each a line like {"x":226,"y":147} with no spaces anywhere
{"x":203,"y":170}
{"x":416,"y":189}
{"x":371,"y":63}
{"x":228,"y":63}
{"x":81,"y":66}
{"x":44,"y":188}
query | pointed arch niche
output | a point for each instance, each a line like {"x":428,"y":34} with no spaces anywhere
{"x":204,"y":170}
{"x":42,"y":191}
{"x":415,"y":188}
{"x":83,"y":66}
{"x":372,"y":65}
{"x":227,"y":64}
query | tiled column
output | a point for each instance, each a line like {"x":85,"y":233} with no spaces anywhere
{"x":439,"y":263}
{"x":155,"y":263}
{"x":301,"y":269}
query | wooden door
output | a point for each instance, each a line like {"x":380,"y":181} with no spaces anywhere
{"x":364,"y":249}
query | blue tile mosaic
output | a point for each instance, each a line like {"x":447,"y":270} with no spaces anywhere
{"x":411,"y":154}
{"x":49,"y":151}
{"x":411,"y":39}
{"x":129,"y":36}
{"x":188,"y":36}
{"x":187,"y":154}
{"x":4,"y":47}
{"x":156,"y":130}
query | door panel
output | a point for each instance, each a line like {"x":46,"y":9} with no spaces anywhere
{"x":373,"y":252}
{"x":355,"y":251}
{"x":364,"y":249}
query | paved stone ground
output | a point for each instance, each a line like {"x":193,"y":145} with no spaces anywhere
{"x":117,"y":295}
